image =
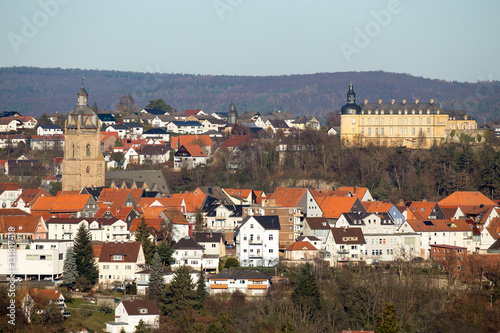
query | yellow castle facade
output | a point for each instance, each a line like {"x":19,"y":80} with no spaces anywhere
{"x":413,"y":125}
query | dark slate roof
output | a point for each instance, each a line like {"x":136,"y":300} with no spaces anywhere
{"x":93,"y":191}
{"x":106,"y":117}
{"x":154,"y":150}
{"x":278,"y":123}
{"x":133,"y":307}
{"x":151,"y":177}
{"x":270,"y":222}
{"x":236,"y":210}
{"x":157,"y":112}
{"x":187,"y":243}
{"x":133,"y":125}
{"x":50,"y":127}
{"x":186,"y":123}
{"x":240,"y":274}
{"x":118,"y":127}
{"x":129,"y":251}
{"x":316,"y":223}
{"x":302,"y":238}
{"x":208,"y":237}
{"x":495,"y":247}
{"x":155,"y":131}
{"x":217,"y":192}
{"x":395,"y":107}
{"x":340,"y":233}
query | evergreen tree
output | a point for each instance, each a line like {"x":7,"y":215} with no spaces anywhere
{"x":180,"y":294}
{"x":306,"y":293}
{"x":70,"y":270}
{"x":86,"y":266}
{"x":142,"y":235}
{"x":388,"y":322}
{"x":156,"y":285}
{"x":159,"y":104}
{"x":201,"y":289}
{"x":141,"y":327}
{"x":165,"y":251}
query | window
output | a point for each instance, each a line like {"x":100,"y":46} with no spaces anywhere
{"x":406,"y":131}
{"x":271,"y":237}
{"x":270,"y":250}
{"x":60,"y":256}
{"x":214,"y":245}
{"x":420,"y":121}
{"x":391,"y":131}
{"x":382,"y":131}
{"x":88,"y":149}
{"x":406,"y":121}
{"x":128,"y":267}
{"x":390,"y":121}
{"x":369,"y":131}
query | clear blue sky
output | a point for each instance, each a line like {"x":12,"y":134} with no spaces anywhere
{"x":450,"y":40}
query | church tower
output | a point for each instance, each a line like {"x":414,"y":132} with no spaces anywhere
{"x":83,"y":164}
{"x":232,"y":116}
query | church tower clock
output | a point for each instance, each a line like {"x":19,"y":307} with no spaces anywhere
{"x":83,"y":164}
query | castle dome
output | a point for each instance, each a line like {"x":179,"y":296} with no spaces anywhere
{"x":351,"y":107}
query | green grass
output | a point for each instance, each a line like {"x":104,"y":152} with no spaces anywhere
{"x":96,"y":322}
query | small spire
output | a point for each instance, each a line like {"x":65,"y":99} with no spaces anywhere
{"x":82,"y":81}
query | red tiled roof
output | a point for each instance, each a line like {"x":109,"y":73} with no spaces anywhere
{"x":193,"y":201}
{"x":423,"y":225}
{"x":301,"y":246}
{"x":357,"y":192}
{"x":287,"y":196}
{"x":467,"y":198}
{"x":29,"y":196}
{"x":116,"y":197}
{"x":184,"y":140}
{"x":235,"y":141}
{"x":22,"y":224}
{"x":377,"y":206}
{"x":195,"y":150}
{"x":333,"y":207}
{"x":129,"y":251}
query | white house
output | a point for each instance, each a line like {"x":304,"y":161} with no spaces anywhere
{"x":9,"y":192}
{"x":42,"y":259}
{"x":104,"y":229}
{"x":189,"y":156}
{"x":257,"y":241}
{"x":142,"y":280}
{"x":49,"y":130}
{"x":212,"y":242}
{"x":119,"y":261}
{"x":188,"y":252}
{"x":128,"y":314}
{"x":65,"y":228}
{"x":248,"y":282}
{"x":345,"y":245}
{"x":224,"y":217}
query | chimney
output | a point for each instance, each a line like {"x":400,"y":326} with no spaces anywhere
{"x":404,"y":101}
{"x":379,"y":101}
{"x":432,"y":101}
{"x":366,"y":100}
{"x":416,"y":100}
{"x":393,"y":101}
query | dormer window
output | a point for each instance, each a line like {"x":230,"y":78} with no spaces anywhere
{"x":117,"y":257}
{"x":143,"y":310}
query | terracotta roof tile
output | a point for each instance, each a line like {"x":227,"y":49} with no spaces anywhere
{"x":301,"y":246}
{"x":287,"y":196}
{"x":333,"y":207}
{"x":235,"y":141}
{"x":467,"y":198}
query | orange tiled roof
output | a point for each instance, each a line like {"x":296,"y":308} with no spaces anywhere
{"x":10,"y":187}
{"x":424,"y":225}
{"x":116,"y":197}
{"x":287,"y":196}
{"x":155,"y":223}
{"x":163,"y":202}
{"x":22,"y":224}
{"x":357,"y":192}
{"x":333,"y":207}
{"x":467,"y":198}
{"x":260,"y":195}
{"x":377,"y":206}
{"x":301,"y":246}
{"x":195,"y":151}
{"x":184,"y":140}
{"x":70,"y":203}
{"x":96,"y":249}
{"x":423,"y":208}
{"x":29,"y":196}
{"x":43,"y":205}
{"x":235,"y":141}
{"x":193,"y":201}
{"x":240,"y":193}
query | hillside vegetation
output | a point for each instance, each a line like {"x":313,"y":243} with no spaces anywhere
{"x":34,"y":91}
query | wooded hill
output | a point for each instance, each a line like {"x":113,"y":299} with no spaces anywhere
{"x":34,"y":91}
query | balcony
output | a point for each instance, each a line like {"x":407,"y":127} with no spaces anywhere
{"x":218,"y":286}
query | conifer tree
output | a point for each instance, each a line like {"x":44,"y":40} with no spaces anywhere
{"x":156,"y":285}
{"x":70,"y":270}
{"x":201,"y":289}
{"x":306,"y":293}
{"x":165,"y":251}
{"x":388,"y":321}
{"x":180,"y":294}
{"x":86,"y":266}
{"x":142,"y":235}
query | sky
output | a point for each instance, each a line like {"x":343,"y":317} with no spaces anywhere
{"x":454,"y":40}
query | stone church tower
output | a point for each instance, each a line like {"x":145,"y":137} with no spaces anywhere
{"x":83,"y":164}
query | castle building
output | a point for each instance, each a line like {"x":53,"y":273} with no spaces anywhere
{"x":83,"y":161}
{"x":412,"y":125}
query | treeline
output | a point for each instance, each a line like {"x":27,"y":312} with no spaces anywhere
{"x":34,"y":91}
{"x":313,"y":157}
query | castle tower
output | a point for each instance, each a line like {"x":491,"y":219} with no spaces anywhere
{"x":83,"y":161}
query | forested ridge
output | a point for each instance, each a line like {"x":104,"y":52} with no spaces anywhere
{"x":33,"y":91}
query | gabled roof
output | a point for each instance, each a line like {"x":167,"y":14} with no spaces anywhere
{"x":133,"y":307}
{"x":70,"y":203}
{"x":187,"y":243}
{"x":22,"y":224}
{"x":467,"y":198}
{"x":287,"y":196}
{"x":10,"y":187}
{"x":316,"y":223}
{"x":208,"y":237}
{"x":377,"y":206}
{"x":423,"y":225}
{"x":30,"y":196}
{"x":270,"y":222}
{"x":192,"y":112}
{"x":193,"y":150}
{"x":155,"y":111}
{"x":115,"y":198}
{"x":193,"y":201}
{"x":154,"y":223}
{"x":240,"y":274}
{"x":65,"y":220}
{"x":333,"y":207}
{"x":421,"y":208}
{"x":129,"y":251}
{"x":184,"y":140}
{"x":180,"y":123}
{"x":106,"y":117}
{"x":235,"y":141}
{"x":348,"y":235}
{"x":309,"y":238}
{"x":357,"y":192}
{"x":301,"y":246}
